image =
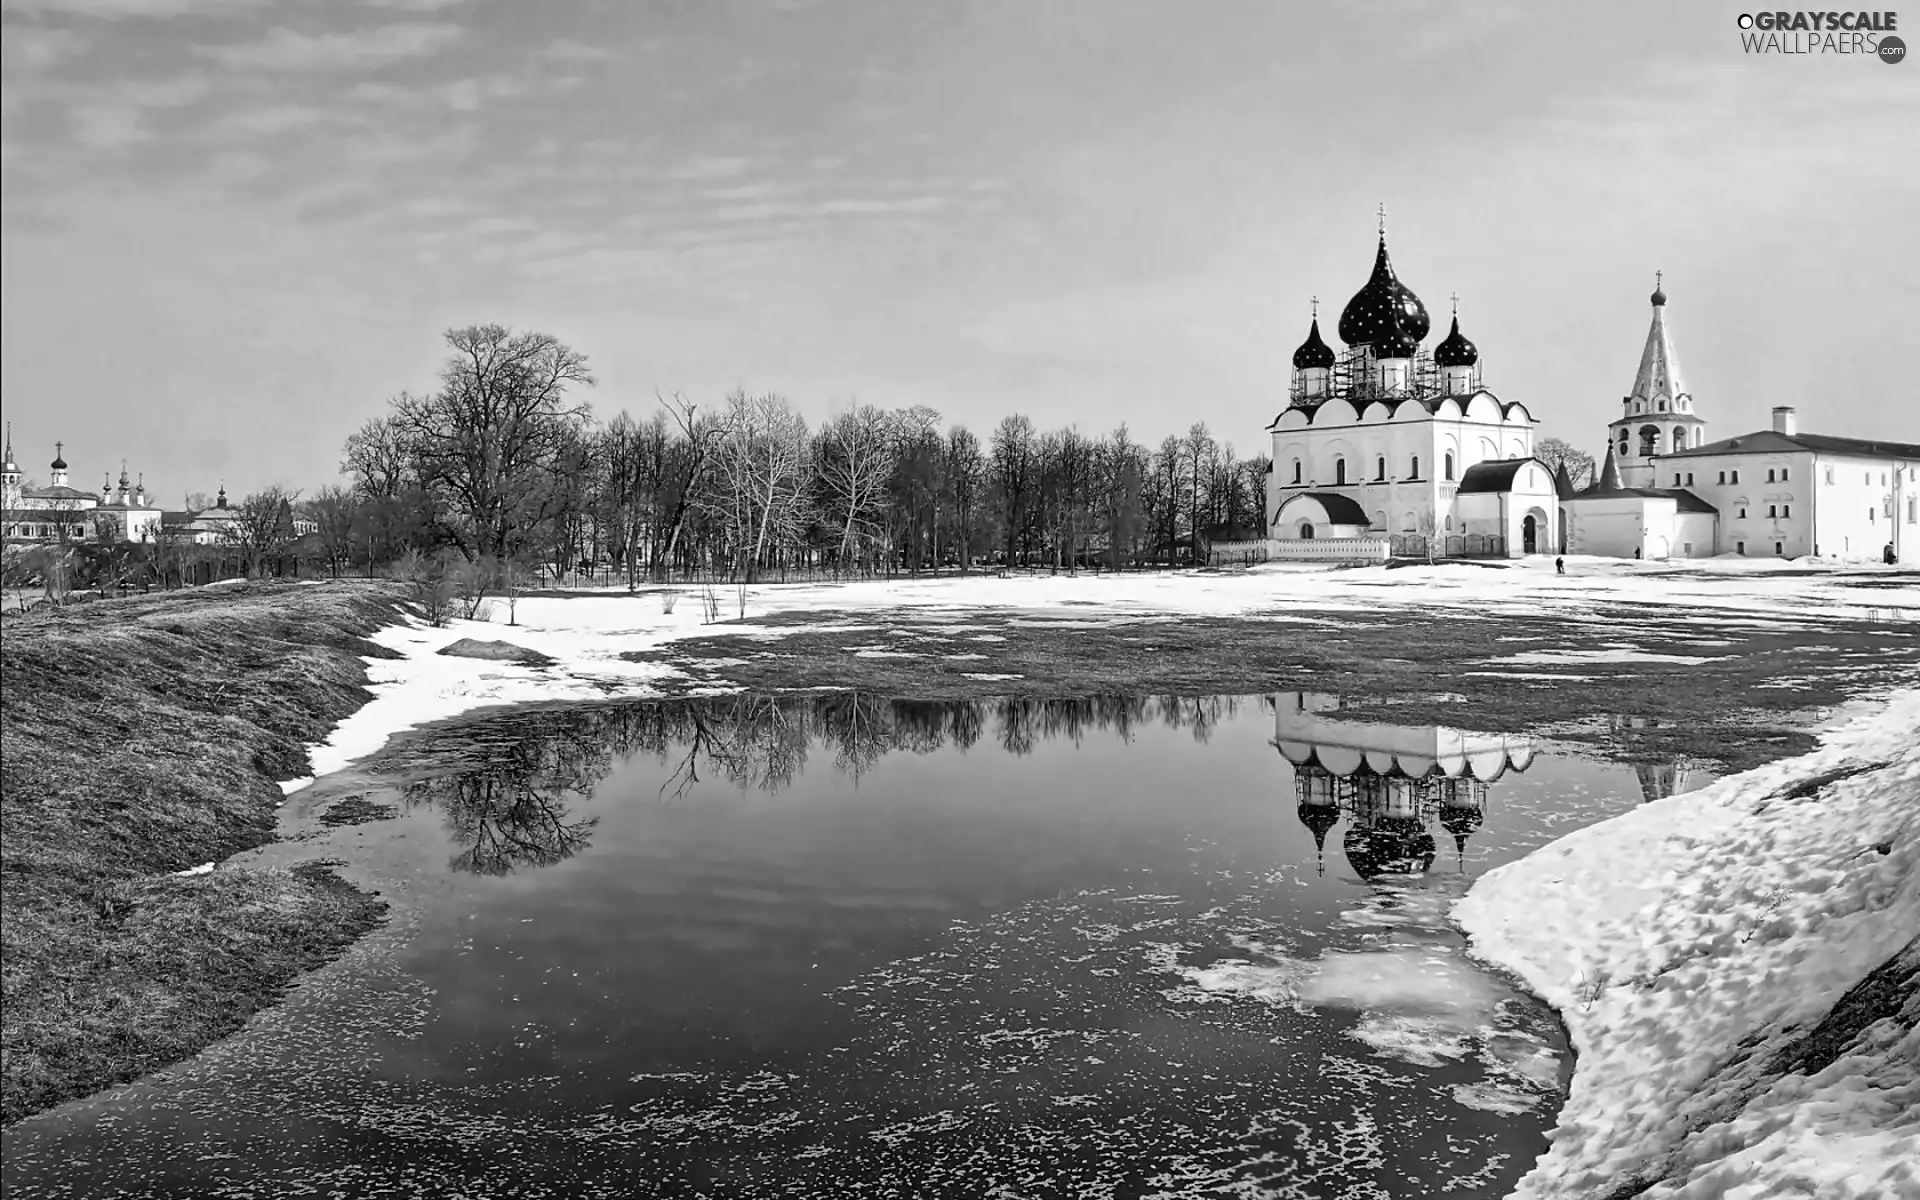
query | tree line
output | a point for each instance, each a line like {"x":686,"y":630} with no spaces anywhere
{"x":504,"y":463}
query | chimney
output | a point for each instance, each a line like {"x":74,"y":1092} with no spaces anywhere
{"x":1783,"y":420}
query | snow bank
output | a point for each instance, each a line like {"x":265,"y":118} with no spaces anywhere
{"x":1687,"y":943}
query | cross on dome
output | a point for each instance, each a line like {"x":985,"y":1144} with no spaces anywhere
{"x":1383,"y":218}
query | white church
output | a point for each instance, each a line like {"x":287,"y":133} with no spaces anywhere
{"x":1386,"y":447}
{"x":1663,"y":491}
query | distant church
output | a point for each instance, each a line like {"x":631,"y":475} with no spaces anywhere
{"x":1387,"y":447}
{"x":1663,"y":491}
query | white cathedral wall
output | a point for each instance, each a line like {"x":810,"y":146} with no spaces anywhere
{"x":1401,"y":500}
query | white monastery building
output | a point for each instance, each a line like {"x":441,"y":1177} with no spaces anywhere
{"x":1386,"y":447}
{"x":1664,"y":491}
{"x":62,"y":513}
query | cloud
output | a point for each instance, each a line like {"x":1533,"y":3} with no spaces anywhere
{"x":118,"y":9}
{"x":709,"y":167}
{"x":568,"y":50}
{"x":285,"y":50}
{"x":920,"y":204}
{"x":115,"y":116}
{"x":29,"y":49}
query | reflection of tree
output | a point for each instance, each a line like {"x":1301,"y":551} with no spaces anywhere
{"x":505,"y":783}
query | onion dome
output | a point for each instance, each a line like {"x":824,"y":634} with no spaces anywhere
{"x":1313,"y":353}
{"x":1319,"y":818}
{"x":1394,"y":846}
{"x":59,"y":457}
{"x":1454,"y":350}
{"x":1385,"y":309}
{"x":1659,"y":297}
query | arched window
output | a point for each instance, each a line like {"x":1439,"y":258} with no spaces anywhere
{"x":1415,"y":473}
{"x":1339,"y":472}
{"x":1449,"y":524}
{"x":1449,"y":464}
{"x":1306,"y":530}
{"x":1383,"y":466}
{"x":1296,"y":470}
{"x":1649,"y":441}
{"x":1679,"y":439}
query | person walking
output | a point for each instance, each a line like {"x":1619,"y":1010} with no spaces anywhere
{"x":1559,"y":566}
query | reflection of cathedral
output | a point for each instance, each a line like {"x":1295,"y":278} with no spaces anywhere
{"x":1392,"y":782}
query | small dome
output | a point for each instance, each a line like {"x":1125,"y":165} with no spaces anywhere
{"x":1454,"y":350}
{"x":1382,"y":309}
{"x":1313,"y":353}
{"x":59,"y":462}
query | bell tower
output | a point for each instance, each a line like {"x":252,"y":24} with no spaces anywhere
{"x":1657,"y":417}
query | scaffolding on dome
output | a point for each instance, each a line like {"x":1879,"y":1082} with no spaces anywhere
{"x":1356,"y":377}
{"x":1368,"y":793}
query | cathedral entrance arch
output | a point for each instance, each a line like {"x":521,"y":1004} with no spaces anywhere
{"x":1536,"y":532}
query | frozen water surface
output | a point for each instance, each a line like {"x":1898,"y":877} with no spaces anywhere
{"x":846,"y":946}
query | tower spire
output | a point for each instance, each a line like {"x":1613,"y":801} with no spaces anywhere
{"x":1383,"y":220}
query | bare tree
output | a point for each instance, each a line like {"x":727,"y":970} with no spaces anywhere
{"x":262,"y":527}
{"x":1555,"y":452}
{"x":335,"y":512}
{"x":488,"y":440}
{"x":701,"y":439}
{"x":766,"y":462}
{"x":856,"y":454}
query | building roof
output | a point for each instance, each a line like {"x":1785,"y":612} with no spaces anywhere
{"x":1683,"y":499}
{"x":1495,"y":475}
{"x":1341,"y":510}
{"x":58,"y":491}
{"x":1659,"y":373}
{"x":1562,"y":481}
{"x":1607,"y":478}
{"x":1767,"y":441}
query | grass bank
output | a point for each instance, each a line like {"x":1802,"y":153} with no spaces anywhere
{"x":139,"y":738}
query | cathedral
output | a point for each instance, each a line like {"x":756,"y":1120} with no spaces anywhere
{"x":1387,"y":448}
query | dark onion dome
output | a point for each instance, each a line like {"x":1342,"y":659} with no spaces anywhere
{"x":1394,"y":846}
{"x":1454,"y":350}
{"x":59,"y":461}
{"x":1319,"y":818}
{"x":1313,"y":353}
{"x":1370,"y":317}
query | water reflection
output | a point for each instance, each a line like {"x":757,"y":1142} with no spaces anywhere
{"x":506,"y":783}
{"x":819,"y":945}
{"x":1393,"y":783}
{"x":1660,"y":777}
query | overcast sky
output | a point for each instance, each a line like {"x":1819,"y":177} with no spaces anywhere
{"x":233,"y":229}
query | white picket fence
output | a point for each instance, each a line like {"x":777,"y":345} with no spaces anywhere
{"x":1354,"y":550}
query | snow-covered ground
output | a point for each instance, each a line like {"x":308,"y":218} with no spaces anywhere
{"x":1686,"y":942}
{"x":587,"y":634}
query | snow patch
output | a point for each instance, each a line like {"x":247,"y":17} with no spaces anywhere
{"x":1681,"y":940}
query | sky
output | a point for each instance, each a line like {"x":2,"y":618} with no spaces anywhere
{"x":233,"y":229}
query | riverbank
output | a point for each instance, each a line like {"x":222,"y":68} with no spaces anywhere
{"x":143,"y":738}
{"x":1737,"y":969}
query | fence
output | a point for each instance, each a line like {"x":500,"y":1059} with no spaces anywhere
{"x":1360,"y":549}
{"x":1472,"y":545}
